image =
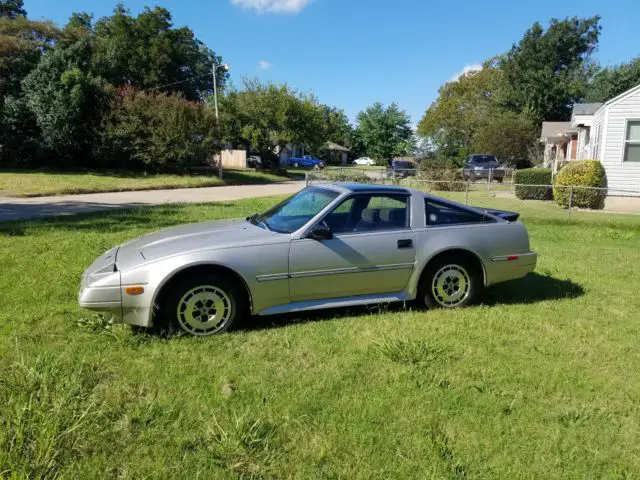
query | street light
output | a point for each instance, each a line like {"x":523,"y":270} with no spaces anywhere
{"x":225,"y":68}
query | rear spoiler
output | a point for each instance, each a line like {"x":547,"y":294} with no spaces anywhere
{"x":509,"y":216}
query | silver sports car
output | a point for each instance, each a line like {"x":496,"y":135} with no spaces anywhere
{"x":327,"y":246}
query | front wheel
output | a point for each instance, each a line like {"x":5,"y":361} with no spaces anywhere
{"x":450,"y":282}
{"x":203,"y":305}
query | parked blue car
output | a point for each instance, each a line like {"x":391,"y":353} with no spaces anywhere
{"x":308,"y":161}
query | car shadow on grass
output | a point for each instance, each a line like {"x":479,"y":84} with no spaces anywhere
{"x":289,"y":319}
{"x":531,"y":289}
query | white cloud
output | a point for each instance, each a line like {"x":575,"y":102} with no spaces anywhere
{"x":272,"y":6}
{"x":264,"y":65}
{"x":467,"y":69}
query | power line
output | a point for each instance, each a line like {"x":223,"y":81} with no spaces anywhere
{"x":177,"y":83}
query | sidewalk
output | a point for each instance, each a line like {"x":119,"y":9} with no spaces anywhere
{"x":27,"y":208}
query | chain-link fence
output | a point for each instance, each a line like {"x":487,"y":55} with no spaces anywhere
{"x":491,"y":191}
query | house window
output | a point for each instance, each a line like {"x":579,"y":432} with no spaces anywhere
{"x":632,"y":142}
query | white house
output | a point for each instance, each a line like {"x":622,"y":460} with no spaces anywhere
{"x":608,"y":132}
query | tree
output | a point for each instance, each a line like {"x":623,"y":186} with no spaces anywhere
{"x":12,"y":9}
{"x":267,"y":118}
{"x":548,"y":70}
{"x":612,"y":81}
{"x":22,"y":44}
{"x":147,"y":52}
{"x":157,"y":130}
{"x":79,"y":26}
{"x":461,"y":107}
{"x":339,"y":129}
{"x":385,"y":132}
{"x":510,"y":136}
{"x":19,"y":132}
{"x":66,"y":99}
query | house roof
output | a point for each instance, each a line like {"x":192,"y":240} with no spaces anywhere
{"x":554,"y":129}
{"x":586,"y":108}
{"x":623,"y":95}
{"x":335,"y":146}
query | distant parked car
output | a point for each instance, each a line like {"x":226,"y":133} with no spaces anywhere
{"x":254,"y":161}
{"x":364,"y":161}
{"x":308,"y":161}
{"x":401,"y":169}
{"x":483,"y":167}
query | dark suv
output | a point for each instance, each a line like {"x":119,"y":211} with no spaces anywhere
{"x":483,"y":167}
{"x":401,"y":169}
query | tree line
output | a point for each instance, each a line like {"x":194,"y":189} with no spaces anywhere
{"x":135,"y":92}
{"x":499,"y":108}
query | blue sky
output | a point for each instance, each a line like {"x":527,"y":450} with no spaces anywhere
{"x":352,"y":53}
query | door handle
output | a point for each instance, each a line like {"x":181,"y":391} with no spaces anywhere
{"x":406,"y":243}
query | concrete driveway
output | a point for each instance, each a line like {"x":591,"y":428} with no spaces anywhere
{"x":12,"y":208}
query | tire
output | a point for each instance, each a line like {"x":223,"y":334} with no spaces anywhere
{"x":450,"y":281}
{"x":295,"y":165}
{"x":203,"y":305}
{"x":499,"y":180}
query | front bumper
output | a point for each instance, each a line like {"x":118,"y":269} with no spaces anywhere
{"x":483,"y":174}
{"x":100,"y":287}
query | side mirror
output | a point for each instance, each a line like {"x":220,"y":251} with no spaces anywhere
{"x":321,"y":233}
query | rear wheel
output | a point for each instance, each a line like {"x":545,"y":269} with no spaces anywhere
{"x":203,"y":305}
{"x":296,"y":165}
{"x":450,"y":281}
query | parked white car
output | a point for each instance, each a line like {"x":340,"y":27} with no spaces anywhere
{"x":364,"y":161}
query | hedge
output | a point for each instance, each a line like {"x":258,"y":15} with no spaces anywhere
{"x":583,"y":173}
{"x":533,"y":176}
{"x":443,"y":180}
{"x":344,"y":176}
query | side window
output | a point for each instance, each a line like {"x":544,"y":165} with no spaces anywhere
{"x":340,"y":218}
{"x":370,"y":213}
{"x":442,"y":214}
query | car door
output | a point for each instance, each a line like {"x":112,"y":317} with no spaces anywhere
{"x":372,"y":251}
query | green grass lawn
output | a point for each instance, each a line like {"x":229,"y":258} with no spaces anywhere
{"x":36,"y":184}
{"x":541,"y":381}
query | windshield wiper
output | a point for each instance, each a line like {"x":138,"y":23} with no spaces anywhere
{"x":257,"y":220}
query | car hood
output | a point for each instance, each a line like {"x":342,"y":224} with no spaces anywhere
{"x":189,"y":238}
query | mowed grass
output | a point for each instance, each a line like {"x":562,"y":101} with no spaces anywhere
{"x":539,"y":381}
{"x":36,"y":184}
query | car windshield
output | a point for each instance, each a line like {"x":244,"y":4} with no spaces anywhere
{"x":296,"y":211}
{"x":484,"y":159}
{"x":402,"y":164}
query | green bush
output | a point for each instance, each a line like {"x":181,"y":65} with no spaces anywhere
{"x":584,"y":173}
{"x":342,"y":176}
{"x":533,"y":176}
{"x":441,"y":179}
{"x":157,"y":131}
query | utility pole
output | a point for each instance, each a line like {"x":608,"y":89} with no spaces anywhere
{"x":225,"y":68}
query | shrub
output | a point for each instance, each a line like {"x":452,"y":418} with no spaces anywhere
{"x":342,"y":176}
{"x":443,"y":180}
{"x":584,"y":173}
{"x":156,"y":131}
{"x":533,"y":176}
